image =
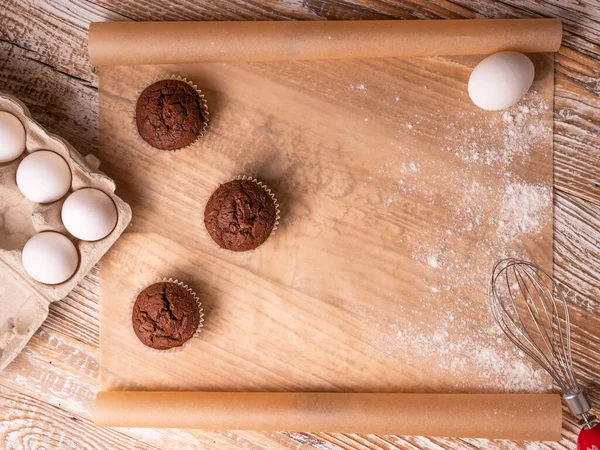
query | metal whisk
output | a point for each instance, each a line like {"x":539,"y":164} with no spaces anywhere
{"x":531,"y":310}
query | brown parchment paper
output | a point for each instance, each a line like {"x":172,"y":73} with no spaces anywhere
{"x":397,"y":196}
{"x":126,"y":43}
{"x":535,"y":417}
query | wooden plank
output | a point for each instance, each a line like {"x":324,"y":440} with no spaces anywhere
{"x":576,"y":242}
{"x":44,"y":60}
{"x":64,"y":105}
{"x":76,"y":315}
{"x":30,"y":423}
{"x":576,"y":238}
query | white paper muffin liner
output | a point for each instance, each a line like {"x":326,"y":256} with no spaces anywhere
{"x":169,"y":351}
{"x":247,"y":253}
{"x":203,"y":105}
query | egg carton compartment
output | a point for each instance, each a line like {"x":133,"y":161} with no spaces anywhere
{"x":24,"y":301}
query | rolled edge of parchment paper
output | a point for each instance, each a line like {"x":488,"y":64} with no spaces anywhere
{"x":132,"y":43}
{"x":533,"y":417}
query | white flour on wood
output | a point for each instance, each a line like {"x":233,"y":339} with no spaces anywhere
{"x":521,"y":208}
{"x":519,"y":128}
{"x":505,"y":209}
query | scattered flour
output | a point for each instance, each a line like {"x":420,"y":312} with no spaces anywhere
{"x":486,"y":219}
{"x":518,"y":129}
{"x":451,"y":350}
{"x":360,"y":86}
{"x":521,"y":208}
{"x":410,"y":167}
{"x":432,"y":261}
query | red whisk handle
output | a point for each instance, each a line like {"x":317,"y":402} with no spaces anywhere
{"x":589,"y":438}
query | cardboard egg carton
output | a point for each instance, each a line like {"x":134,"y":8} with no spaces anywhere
{"x":23,"y":301}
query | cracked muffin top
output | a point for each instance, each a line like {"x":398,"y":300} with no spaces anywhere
{"x":165,"y":315}
{"x":170,"y":115}
{"x":240,"y":215}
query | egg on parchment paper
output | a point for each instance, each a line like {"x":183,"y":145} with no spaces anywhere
{"x":501,"y":80}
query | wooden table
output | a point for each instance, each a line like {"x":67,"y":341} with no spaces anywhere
{"x":47,"y":393}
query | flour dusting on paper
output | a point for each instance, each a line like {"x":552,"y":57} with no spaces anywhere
{"x":521,"y":209}
{"x":520,"y":128}
{"x":507,"y":208}
{"x":359,"y":86}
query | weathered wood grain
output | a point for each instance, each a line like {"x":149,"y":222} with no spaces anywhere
{"x":80,"y":307}
{"x":28,"y":423}
{"x":44,"y":62}
{"x":64,"y":105}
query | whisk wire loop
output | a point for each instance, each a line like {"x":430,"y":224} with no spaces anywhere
{"x":530,"y":309}
{"x":553,"y":332}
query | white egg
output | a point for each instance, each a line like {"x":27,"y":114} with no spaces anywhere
{"x":500,"y":80}
{"x":12,"y":137}
{"x":89,"y":214}
{"x":50,"y":257}
{"x":43,"y":176}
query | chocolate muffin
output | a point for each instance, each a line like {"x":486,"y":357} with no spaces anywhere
{"x":170,"y":114}
{"x":165,"y":315}
{"x":240,"y":215}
